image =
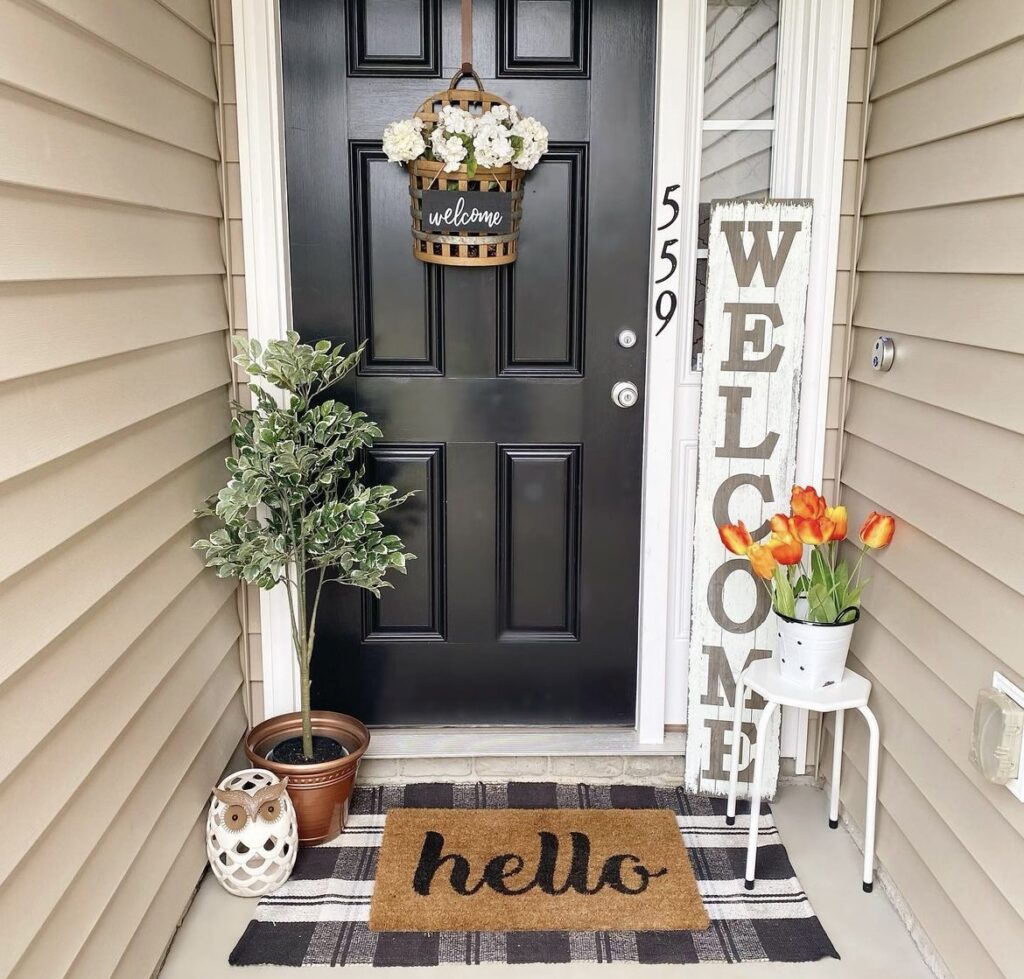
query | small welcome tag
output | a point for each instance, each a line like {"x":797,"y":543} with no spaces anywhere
{"x":467,"y":211}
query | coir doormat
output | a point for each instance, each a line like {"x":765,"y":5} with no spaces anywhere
{"x":321,"y":916}
{"x":534,"y":870}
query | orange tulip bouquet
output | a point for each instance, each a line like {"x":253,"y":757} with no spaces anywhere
{"x":815,"y":594}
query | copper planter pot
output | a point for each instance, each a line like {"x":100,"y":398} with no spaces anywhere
{"x":319,"y":792}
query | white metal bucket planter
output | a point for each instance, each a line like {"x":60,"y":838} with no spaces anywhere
{"x":813,"y":654}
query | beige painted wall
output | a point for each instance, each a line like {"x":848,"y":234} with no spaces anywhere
{"x":938,"y":442}
{"x":120,"y":687}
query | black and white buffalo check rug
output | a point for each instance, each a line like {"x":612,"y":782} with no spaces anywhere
{"x":320,"y":916}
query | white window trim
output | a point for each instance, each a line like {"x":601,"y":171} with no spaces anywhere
{"x":806,"y":162}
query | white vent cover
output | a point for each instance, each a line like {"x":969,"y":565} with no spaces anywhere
{"x":996,"y":742}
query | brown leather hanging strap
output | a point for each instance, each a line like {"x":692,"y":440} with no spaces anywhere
{"x":467,"y":37}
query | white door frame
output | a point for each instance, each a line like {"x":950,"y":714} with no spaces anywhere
{"x":807,"y":162}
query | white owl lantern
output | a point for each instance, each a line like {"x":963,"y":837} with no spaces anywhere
{"x":251,"y":835}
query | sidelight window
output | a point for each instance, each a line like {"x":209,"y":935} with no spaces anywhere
{"x":741,"y":45}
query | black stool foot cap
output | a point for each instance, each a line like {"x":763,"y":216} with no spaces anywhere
{"x":748,"y":884}
{"x":833,"y":824}
{"x":730,"y":820}
{"x":868,"y":887}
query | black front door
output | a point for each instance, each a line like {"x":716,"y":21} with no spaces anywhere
{"x":492,"y":386}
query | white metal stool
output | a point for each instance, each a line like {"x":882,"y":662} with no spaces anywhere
{"x":851,"y":692}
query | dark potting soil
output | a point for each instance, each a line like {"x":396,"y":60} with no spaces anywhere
{"x":289,"y":751}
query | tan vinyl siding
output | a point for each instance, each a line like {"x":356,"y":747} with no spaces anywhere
{"x":121,"y":697}
{"x":939,"y":442}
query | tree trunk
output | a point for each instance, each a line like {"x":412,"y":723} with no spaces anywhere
{"x":307,"y":723}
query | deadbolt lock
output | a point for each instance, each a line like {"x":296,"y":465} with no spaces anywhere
{"x":626,"y":338}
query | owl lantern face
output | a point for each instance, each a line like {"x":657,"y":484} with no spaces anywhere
{"x":251,"y":833}
{"x":241,"y":808}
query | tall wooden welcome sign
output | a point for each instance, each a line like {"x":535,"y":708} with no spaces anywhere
{"x":758,"y":253}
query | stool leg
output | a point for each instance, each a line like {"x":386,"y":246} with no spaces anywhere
{"x":734,"y":754}
{"x":837,"y":769}
{"x":755,"y":794}
{"x":869,"y":815}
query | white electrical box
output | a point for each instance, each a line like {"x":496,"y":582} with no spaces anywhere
{"x":997,"y":744}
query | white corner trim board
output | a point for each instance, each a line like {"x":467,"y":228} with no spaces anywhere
{"x":812,"y":79}
{"x":267,"y":287}
{"x":680,"y":91}
{"x":758,"y":264}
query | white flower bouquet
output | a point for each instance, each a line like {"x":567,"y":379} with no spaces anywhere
{"x":493,"y":139}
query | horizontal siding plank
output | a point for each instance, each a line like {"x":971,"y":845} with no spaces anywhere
{"x":954,"y":656}
{"x":938,"y":915}
{"x":969,"y":597}
{"x":980,"y":165}
{"x":160,"y":854}
{"x":977,"y":310}
{"x":908,"y":700}
{"x":45,"y":55}
{"x":49,"y":236}
{"x":984,"y":907}
{"x":970,"y":524}
{"x":954,"y":33}
{"x":35,"y":699}
{"x":986,"y":459}
{"x":196,"y":13}
{"x":163,"y":913}
{"x":895,"y":17}
{"x":45,"y":326}
{"x":973,"y":95}
{"x":105,"y":716}
{"x":85,"y":852}
{"x":86,"y":569}
{"x":40,"y":515}
{"x":972,"y":381}
{"x":78,"y":405}
{"x":148,"y":32}
{"x":75,"y":154}
{"x":982,"y":237}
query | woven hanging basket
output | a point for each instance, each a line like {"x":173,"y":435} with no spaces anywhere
{"x":468,"y":248}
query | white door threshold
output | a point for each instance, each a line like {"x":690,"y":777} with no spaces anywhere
{"x":498,"y":742}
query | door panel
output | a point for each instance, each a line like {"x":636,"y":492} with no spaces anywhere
{"x":540,"y":503}
{"x":491,"y":385}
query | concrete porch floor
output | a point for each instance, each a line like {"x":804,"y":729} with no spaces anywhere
{"x":873,"y":942}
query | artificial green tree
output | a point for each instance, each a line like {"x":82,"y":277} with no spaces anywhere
{"x":295,"y":511}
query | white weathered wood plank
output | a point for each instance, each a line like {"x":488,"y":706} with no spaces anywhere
{"x":748,"y":427}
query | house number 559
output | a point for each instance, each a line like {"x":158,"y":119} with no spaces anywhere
{"x":667,"y":300}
